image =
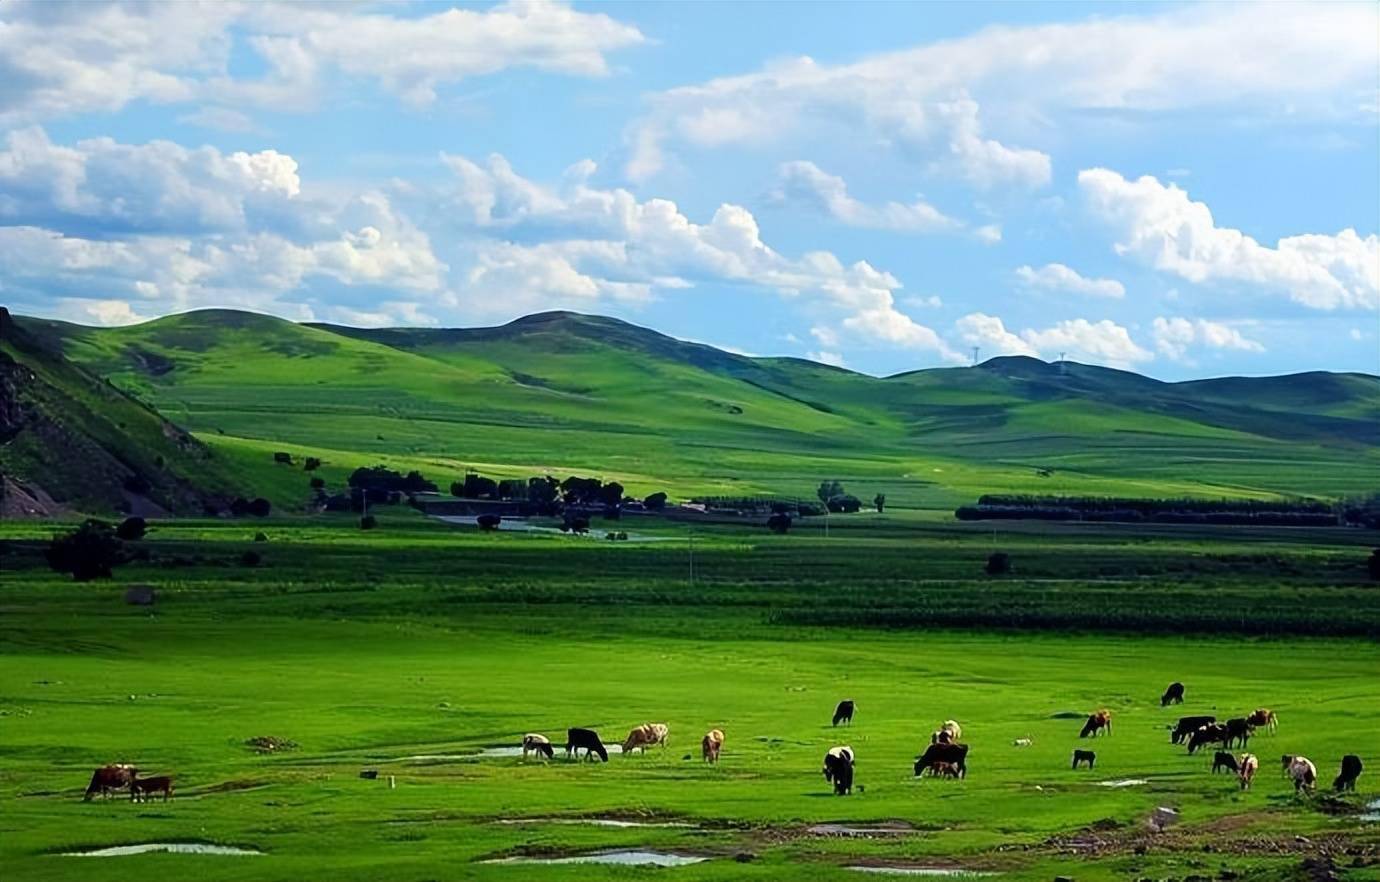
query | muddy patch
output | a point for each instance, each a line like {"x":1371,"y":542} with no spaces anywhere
{"x":861,"y":831}
{"x":621,"y":858}
{"x":168,"y":847}
{"x":1372,"y":812}
{"x":920,"y":870}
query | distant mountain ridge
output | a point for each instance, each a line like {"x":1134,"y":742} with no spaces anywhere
{"x":573,"y":391}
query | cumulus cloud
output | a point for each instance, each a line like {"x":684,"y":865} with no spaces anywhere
{"x":988,"y":234}
{"x":926,"y":101}
{"x":804,"y":184}
{"x":1102,"y":342}
{"x":833,"y":359}
{"x":65,"y":58}
{"x":1175,"y":336}
{"x":1057,"y":277}
{"x":1159,"y":225}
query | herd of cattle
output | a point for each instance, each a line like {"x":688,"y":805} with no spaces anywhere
{"x":945,"y":756}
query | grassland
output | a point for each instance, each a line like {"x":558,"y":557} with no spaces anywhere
{"x":422,"y":640}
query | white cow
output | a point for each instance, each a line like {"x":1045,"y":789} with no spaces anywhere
{"x":1303,"y":773}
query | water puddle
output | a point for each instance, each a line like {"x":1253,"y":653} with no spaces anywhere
{"x":599,"y":822}
{"x":924,"y":871}
{"x":500,"y":752}
{"x":1124,"y":782}
{"x":886,"y":828}
{"x":169,"y":847}
{"x":1372,"y":811}
{"x":626,"y":858}
{"x":518,"y":525}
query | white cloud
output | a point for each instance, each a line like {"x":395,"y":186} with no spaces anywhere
{"x":1174,"y":337}
{"x":804,"y":184}
{"x":1057,"y":277}
{"x":1306,"y":62}
{"x":222,"y":119}
{"x":989,"y":234}
{"x":61,"y":59}
{"x":833,"y":359}
{"x":1161,"y":226}
{"x":106,"y":313}
{"x":1103,"y":342}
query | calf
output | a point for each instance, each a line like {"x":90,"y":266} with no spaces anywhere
{"x":838,"y":768}
{"x":1084,"y":756}
{"x":1187,"y":726}
{"x":1098,"y":722}
{"x":844,"y":712}
{"x":944,"y":753}
{"x":711,"y":744}
{"x":538,"y":744}
{"x":1173,"y":695}
{"x":1209,"y":734}
{"x":1303,"y":773}
{"x":140,"y":788}
{"x":576,"y":738}
{"x":1351,"y":770}
{"x":646,"y":735}
{"x":1246,"y":770}
{"x":943,"y":770}
{"x":1223,"y":760}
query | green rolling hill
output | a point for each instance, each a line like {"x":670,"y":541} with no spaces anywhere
{"x":574,"y":393}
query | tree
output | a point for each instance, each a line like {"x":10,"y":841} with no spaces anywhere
{"x":998,"y":564}
{"x":879,"y":501}
{"x":542,"y":493}
{"x":512,"y":488}
{"x":844,"y":503}
{"x":132,"y":529}
{"x":479,"y":487}
{"x":582,"y":491}
{"x":779,"y":523}
{"x":828,"y":490}
{"x":260,"y":507}
{"x":89,"y":552}
{"x":655,"y":502}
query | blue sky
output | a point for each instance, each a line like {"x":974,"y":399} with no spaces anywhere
{"x":1181,"y":190}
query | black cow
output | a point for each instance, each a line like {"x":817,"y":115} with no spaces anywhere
{"x":1223,"y":760}
{"x":1212,"y":733}
{"x":1173,"y":695}
{"x":844,"y":712}
{"x":944,"y":753}
{"x":838,"y":768}
{"x":1187,"y":726}
{"x":1084,"y":756}
{"x":589,"y":740}
{"x":1239,"y":729}
{"x":1351,"y":770}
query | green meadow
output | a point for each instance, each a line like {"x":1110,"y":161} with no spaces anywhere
{"x":413,"y":648}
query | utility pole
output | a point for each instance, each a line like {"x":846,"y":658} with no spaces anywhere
{"x":976,"y":350}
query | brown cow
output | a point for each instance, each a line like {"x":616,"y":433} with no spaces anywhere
{"x":646,"y":735}
{"x":115,"y":776}
{"x":1096,"y":723}
{"x":1246,"y":770}
{"x":140,"y":788}
{"x":1264,"y":718}
{"x":712,"y":743}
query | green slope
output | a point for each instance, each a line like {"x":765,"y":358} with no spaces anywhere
{"x":70,"y":438}
{"x":566,"y":392}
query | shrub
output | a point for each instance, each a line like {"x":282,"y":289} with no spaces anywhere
{"x":488,"y":521}
{"x":828,"y":490}
{"x":879,"y":502}
{"x":260,"y":507}
{"x":260,"y":537}
{"x":318,"y":483}
{"x":368,"y":522}
{"x":132,"y":529}
{"x":250,"y":559}
{"x":512,"y":488}
{"x":998,"y":563}
{"x":281,"y":457}
{"x":311,"y":464}
{"x":655,"y":502}
{"x":779,"y":523}
{"x":845,"y":503}
{"x":89,"y":552}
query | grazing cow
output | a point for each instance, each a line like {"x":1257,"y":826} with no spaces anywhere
{"x":838,"y":768}
{"x":1187,"y":726}
{"x":1246,"y":770}
{"x":1096,"y":723}
{"x":642,"y":737}
{"x":1285,"y":760}
{"x":712,"y":743}
{"x":1173,"y":695}
{"x":844,"y":712}
{"x":1264,"y":718}
{"x":1303,"y":773}
{"x":1084,"y":756}
{"x":1223,"y":760}
{"x":1351,"y":770}
{"x":115,"y":776}
{"x":538,"y":744}
{"x":1212,"y":733}
{"x":944,"y":753}
{"x":140,"y":788}
{"x":589,"y":740}
{"x":1239,"y":729}
{"x":943,"y":770}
